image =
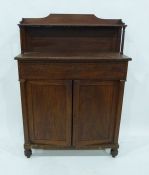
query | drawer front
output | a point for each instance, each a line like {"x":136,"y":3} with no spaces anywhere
{"x":109,"y":71}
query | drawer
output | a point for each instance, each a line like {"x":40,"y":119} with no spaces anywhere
{"x":103,"y":70}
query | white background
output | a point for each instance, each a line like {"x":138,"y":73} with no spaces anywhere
{"x":134,"y":135}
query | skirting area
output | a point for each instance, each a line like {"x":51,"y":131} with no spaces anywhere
{"x":133,"y":158}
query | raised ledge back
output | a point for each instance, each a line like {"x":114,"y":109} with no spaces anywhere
{"x":71,"y":20}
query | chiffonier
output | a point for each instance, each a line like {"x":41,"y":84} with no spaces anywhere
{"x":72,"y":73}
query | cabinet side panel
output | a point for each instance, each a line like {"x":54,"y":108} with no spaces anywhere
{"x":25,"y":113}
{"x":121,"y":86}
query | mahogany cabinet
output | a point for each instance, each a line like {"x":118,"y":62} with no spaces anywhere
{"x":72,"y":73}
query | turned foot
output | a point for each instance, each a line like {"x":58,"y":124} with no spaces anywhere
{"x":114,"y":152}
{"x":28,"y":153}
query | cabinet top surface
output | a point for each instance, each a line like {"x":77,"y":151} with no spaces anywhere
{"x":91,"y":57}
{"x":71,"y":20}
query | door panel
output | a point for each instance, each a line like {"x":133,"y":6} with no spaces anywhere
{"x":50,"y":112}
{"x":94,"y":107}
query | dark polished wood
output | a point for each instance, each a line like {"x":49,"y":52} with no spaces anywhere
{"x":94,"y":112}
{"x":71,"y":20}
{"x":69,"y":71}
{"x":28,"y":153}
{"x":50,"y":112}
{"x":62,"y":33}
{"x":72,"y":73}
{"x":114,"y":152}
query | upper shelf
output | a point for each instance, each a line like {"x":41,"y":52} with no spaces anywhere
{"x":73,"y":57}
{"x":71,"y":20}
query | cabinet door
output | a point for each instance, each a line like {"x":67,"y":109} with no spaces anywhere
{"x":94,"y":112}
{"x":50,"y":112}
